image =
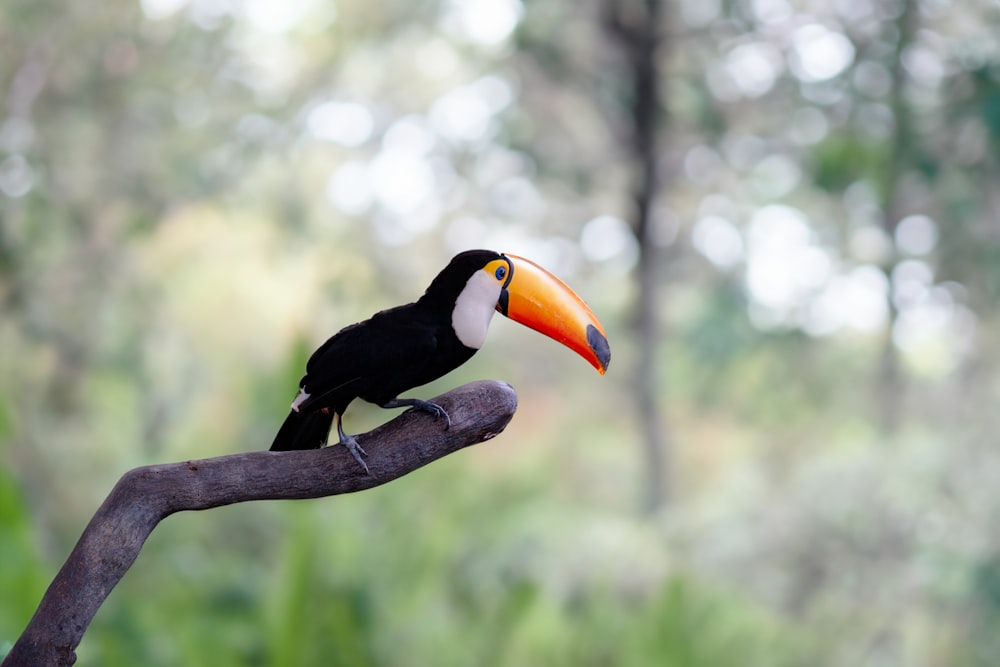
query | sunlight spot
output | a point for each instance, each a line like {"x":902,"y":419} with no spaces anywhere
{"x":916,"y":235}
{"x":783,"y":265}
{"x":349,"y":188}
{"x":775,"y":176}
{"x":778,"y":226}
{"x":819,"y":53}
{"x":518,"y":199}
{"x":409,"y":135}
{"x":771,"y":11}
{"x":400,"y":181}
{"x":395,"y":229}
{"x":866,"y":308}
{"x":720,"y":82}
{"x":271,"y":63}
{"x":16,"y":135}
{"x":869,"y":243}
{"x":606,"y":237}
{"x":389,"y":229}
{"x":743,"y":151}
{"x":488,"y":22}
{"x":462,"y":115}
{"x":936,"y":335}
{"x":855,"y":301}
{"x":437,"y":59}
{"x":495,"y":91}
{"x":16,"y":176}
{"x":856,"y":12}
{"x":809,"y":126}
{"x":911,"y":282}
{"x":496,"y":163}
{"x":784,"y":284}
{"x":210,"y":14}
{"x":718,"y":240}
{"x":466,"y":113}
{"x":924,"y":65}
{"x":161,"y":9}
{"x":256,"y":127}
{"x":924,"y":321}
{"x":699,"y":13}
{"x":754,"y":67}
{"x":276,"y":16}
{"x":346,"y":123}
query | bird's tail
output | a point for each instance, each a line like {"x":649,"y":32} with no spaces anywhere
{"x":303,"y":431}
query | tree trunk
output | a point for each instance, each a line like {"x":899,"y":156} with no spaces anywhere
{"x":637,"y":28}
{"x":891,"y":387}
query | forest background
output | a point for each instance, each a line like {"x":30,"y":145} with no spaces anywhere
{"x":784,"y":211}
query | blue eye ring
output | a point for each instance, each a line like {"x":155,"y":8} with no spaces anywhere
{"x":501,"y":272}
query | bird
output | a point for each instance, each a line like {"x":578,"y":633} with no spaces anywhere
{"x":402,"y":348}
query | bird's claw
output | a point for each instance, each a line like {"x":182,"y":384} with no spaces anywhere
{"x":423,"y":406}
{"x":440,"y":413}
{"x":435,"y":410}
{"x":356,"y":451}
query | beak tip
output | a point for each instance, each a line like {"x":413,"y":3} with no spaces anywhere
{"x":599,"y":344}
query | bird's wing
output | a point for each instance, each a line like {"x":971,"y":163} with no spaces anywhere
{"x":362,"y":356}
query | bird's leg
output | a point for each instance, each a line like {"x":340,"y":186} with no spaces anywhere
{"x":418,"y":404}
{"x":352,"y":445}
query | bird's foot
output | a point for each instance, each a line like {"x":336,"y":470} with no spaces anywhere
{"x":423,"y":406}
{"x":434,"y":409}
{"x":356,"y":451}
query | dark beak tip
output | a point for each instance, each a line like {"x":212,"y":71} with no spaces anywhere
{"x":599,"y":344}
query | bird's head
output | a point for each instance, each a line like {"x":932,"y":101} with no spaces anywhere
{"x":488,"y":282}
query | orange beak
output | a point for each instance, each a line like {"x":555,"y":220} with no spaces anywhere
{"x":540,"y":301}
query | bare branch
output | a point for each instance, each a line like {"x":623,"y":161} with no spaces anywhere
{"x":145,"y":496}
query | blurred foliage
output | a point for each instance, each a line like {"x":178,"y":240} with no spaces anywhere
{"x":194,"y":193}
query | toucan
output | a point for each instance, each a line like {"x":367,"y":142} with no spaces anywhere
{"x":405,"y":347}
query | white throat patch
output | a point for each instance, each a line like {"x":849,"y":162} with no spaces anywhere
{"x":474,"y":309}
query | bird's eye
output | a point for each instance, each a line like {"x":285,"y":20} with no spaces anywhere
{"x":501,"y":272}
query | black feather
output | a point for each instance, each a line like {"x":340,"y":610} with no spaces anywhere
{"x":393,"y":351}
{"x":303,"y":431}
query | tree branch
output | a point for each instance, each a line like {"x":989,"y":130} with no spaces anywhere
{"x":145,"y":496}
